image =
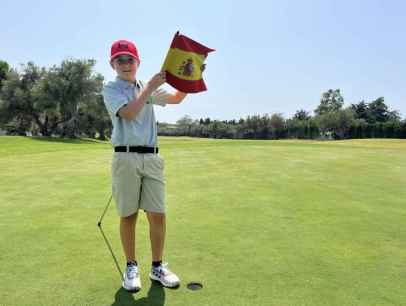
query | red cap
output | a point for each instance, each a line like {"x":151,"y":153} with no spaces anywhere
{"x":124,"y":47}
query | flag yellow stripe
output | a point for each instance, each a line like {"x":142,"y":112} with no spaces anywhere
{"x":184,"y":65}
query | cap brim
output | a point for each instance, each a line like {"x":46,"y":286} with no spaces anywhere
{"x":124,"y":53}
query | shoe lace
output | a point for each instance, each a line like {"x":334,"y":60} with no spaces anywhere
{"x":163,"y":268}
{"x":132,"y":271}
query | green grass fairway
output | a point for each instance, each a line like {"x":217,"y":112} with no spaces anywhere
{"x":257,"y":222}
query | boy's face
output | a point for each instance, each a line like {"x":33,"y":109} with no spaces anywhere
{"x":125,"y":66}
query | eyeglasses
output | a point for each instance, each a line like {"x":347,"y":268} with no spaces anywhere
{"x":122,"y":60}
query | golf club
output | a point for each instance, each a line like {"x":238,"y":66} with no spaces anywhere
{"x":99,"y":224}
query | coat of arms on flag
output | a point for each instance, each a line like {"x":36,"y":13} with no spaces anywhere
{"x":184,"y":64}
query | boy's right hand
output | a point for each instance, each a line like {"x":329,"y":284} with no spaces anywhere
{"x":157,"y":80}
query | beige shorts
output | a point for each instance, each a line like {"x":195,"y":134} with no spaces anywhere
{"x":138,"y":182}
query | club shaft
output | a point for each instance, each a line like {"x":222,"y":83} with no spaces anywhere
{"x":104,"y":212}
{"x":99,"y":224}
{"x":112,"y":253}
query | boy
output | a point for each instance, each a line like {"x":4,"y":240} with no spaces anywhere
{"x":137,"y":169}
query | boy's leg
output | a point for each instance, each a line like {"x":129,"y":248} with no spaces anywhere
{"x":127,"y":234}
{"x":126,"y":184}
{"x":153,"y":202}
{"x":159,"y":271}
{"x":132,"y":280}
{"x":157,"y":231}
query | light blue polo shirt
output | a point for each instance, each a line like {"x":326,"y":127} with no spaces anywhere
{"x":142,"y":130}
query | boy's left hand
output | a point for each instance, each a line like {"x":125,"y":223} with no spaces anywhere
{"x":156,"y":81}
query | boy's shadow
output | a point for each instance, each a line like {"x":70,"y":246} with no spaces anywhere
{"x":155,"y":297}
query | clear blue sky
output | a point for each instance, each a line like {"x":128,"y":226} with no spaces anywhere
{"x":271,"y":56}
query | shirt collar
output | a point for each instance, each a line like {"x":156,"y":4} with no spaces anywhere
{"x":125,"y":84}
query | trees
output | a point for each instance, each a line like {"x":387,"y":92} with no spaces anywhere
{"x":331,"y":101}
{"x":361,"y":110}
{"x":336,"y":124}
{"x":299,"y":125}
{"x":185,"y":123}
{"x":375,"y":119}
{"x":329,"y":114}
{"x":93,"y":118}
{"x":65,"y":100}
{"x":277,"y":124}
{"x":301,"y":115}
{"x":378,"y":111}
{"x":358,"y":129}
{"x":375,"y":111}
{"x":254,"y":127}
{"x":344,"y":123}
{"x":62,"y":91}
{"x":18,"y":100}
{"x":4,"y":69}
{"x":50,"y":99}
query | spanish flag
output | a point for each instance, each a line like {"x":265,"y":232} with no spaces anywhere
{"x":184,"y":64}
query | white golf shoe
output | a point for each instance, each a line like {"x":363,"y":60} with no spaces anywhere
{"x":163,"y":275}
{"x":132,"y":280}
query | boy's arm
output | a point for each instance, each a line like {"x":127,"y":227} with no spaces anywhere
{"x":162,"y":97}
{"x":176,"y":98}
{"x":131,"y":110}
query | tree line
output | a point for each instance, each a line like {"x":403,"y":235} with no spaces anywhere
{"x":65,"y":101}
{"x":331,"y":120}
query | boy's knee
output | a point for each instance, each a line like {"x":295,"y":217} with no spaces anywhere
{"x":156,"y":218}
{"x":130,"y":218}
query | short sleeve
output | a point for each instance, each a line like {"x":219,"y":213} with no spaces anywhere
{"x":114,"y":100}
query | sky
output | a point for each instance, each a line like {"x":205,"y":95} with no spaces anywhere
{"x":271,"y":56}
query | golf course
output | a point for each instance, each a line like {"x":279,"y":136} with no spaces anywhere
{"x":257,"y":222}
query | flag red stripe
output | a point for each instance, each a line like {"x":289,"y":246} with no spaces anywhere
{"x":186,"y":44}
{"x":185,"y":85}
